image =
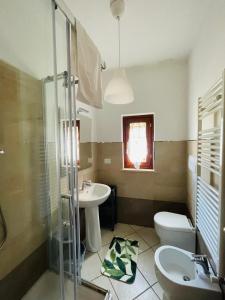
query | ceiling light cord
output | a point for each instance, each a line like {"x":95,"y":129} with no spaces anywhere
{"x":118,"y":89}
{"x":118,"y":18}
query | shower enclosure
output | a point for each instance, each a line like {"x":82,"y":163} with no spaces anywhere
{"x":64,"y":238}
{"x":39,"y":207}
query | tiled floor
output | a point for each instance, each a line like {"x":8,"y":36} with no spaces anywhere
{"x":145,"y":286}
{"x":47,"y":288}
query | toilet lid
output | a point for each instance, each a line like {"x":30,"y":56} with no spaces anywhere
{"x":171,"y":221}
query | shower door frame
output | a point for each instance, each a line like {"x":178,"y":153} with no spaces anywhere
{"x":72,"y":175}
{"x":74,"y":197}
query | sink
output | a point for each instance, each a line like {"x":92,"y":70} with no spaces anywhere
{"x":89,"y":199}
{"x":94,"y":195}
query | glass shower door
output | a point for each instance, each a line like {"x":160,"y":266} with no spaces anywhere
{"x":38,"y":181}
{"x":64,"y":233}
{"x":64,"y":241}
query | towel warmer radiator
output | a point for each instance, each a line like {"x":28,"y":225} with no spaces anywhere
{"x":210,"y":197}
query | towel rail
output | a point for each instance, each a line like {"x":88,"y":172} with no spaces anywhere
{"x":207,"y":167}
{"x":209,"y":189}
{"x":202,"y":195}
{"x":210,"y":129}
{"x":213,"y":90}
{"x":209,"y":164}
{"x":210,"y":194}
{"x":209,"y":135}
{"x":209,"y":158}
{"x":210,"y":107}
{"x":208,"y":113}
{"x":212,"y":147}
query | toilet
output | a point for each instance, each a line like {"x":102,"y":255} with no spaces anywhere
{"x":175,"y":230}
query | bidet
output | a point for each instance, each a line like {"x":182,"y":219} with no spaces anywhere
{"x":178,"y":274}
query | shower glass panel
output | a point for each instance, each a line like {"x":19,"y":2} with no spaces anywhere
{"x":64,"y":243}
{"x":39,"y":213}
{"x":62,"y":248}
{"x":28,"y":179}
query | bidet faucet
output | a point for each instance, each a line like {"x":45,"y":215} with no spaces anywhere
{"x":85,"y":183}
{"x":202,"y":260}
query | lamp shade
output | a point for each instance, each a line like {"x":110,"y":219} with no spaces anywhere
{"x":118,"y":90}
{"x":117,"y":7}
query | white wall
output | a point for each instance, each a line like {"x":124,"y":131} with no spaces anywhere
{"x":160,"y":88}
{"x":207,"y":61}
{"x":27,"y":43}
{"x":26,"y":35}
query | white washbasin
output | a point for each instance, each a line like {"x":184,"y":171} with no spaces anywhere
{"x":90,"y":198}
{"x":94,"y":195}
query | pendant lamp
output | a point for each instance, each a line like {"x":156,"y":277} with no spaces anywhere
{"x":118,"y":90}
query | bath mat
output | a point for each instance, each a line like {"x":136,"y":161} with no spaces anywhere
{"x":121,"y":260}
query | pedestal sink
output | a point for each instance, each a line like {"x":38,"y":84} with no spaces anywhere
{"x":90,"y":198}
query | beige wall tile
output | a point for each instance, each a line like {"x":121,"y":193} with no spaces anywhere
{"x":167,"y":183}
{"x":191,"y":179}
{"x":89,"y":173}
{"x":22,"y":169}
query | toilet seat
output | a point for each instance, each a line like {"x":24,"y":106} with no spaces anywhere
{"x":173,"y":222}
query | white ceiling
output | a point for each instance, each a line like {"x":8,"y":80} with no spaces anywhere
{"x":151,"y":30}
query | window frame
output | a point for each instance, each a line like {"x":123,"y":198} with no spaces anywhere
{"x":126,"y":119}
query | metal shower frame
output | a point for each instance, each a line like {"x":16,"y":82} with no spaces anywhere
{"x":73,"y":197}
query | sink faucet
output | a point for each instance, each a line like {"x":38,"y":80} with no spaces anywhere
{"x":85,"y":183}
{"x":202,"y":260}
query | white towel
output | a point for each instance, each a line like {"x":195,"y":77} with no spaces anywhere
{"x":88,"y":68}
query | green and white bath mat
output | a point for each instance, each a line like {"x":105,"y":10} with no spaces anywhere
{"x":121,"y":260}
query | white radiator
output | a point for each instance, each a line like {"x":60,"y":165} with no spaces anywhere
{"x":210,"y":202}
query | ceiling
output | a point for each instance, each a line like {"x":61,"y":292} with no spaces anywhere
{"x":151,"y":30}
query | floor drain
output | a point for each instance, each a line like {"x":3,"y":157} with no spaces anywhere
{"x":186,"y":278}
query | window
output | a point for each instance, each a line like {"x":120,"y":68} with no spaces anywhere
{"x":66,"y":142}
{"x":138,"y":140}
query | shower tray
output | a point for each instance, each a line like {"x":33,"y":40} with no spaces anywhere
{"x":88,"y":290}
